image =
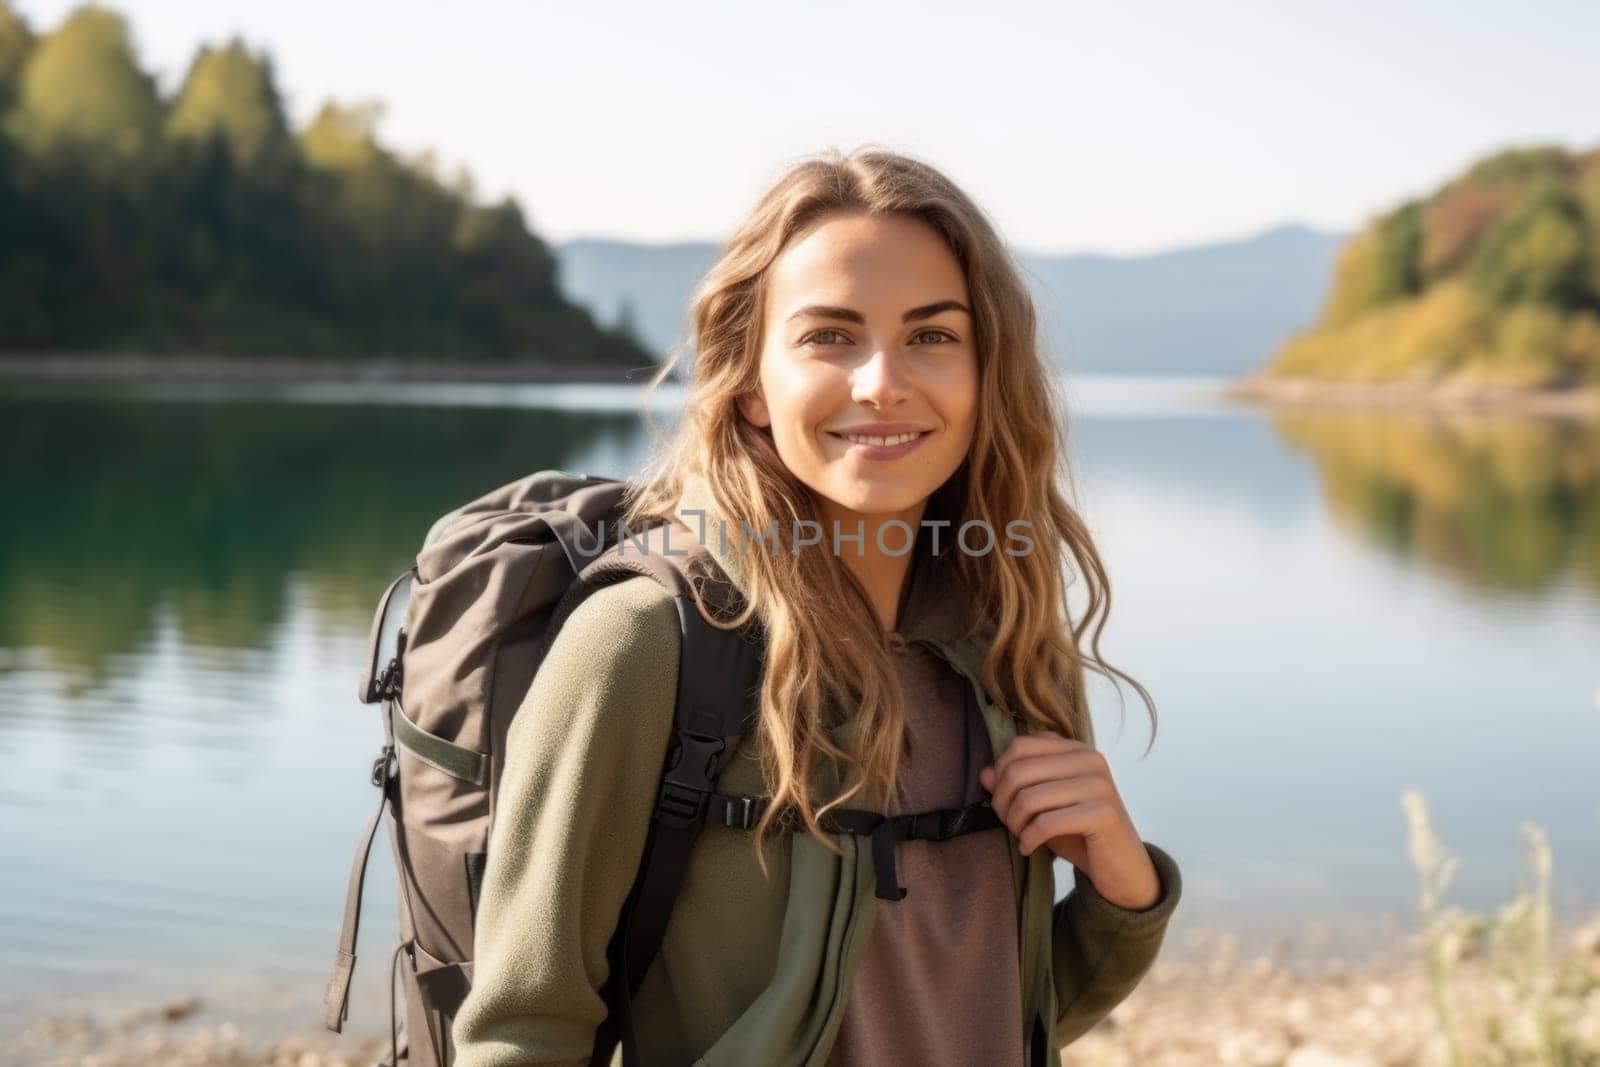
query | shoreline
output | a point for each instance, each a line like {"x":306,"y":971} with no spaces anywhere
{"x":1216,"y":1004}
{"x":1256,"y":390}
{"x":132,"y":368}
{"x":1583,"y":402}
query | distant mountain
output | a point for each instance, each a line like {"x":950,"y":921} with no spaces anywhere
{"x":1213,"y":310}
{"x":1217,"y":309}
{"x":649,"y":284}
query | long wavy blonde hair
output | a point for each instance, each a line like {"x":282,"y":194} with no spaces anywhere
{"x":825,"y":648}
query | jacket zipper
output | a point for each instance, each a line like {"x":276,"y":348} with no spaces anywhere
{"x":844,"y":942}
{"x":1021,"y":884}
{"x":1030,"y":1039}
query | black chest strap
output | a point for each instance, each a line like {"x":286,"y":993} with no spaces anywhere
{"x":743,"y":812}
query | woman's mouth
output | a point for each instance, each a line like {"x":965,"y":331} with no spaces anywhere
{"x":872,"y":446}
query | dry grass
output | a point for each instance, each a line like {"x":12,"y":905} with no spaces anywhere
{"x":1478,"y":991}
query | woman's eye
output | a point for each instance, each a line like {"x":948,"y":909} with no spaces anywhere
{"x":814,"y":334}
{"x":821,"y":336}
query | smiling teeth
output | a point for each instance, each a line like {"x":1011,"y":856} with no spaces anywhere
{"x":897,"y":439}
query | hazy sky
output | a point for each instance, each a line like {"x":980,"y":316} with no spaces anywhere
{"x":1079,"y":127}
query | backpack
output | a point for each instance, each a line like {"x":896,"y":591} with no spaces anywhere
{"x":455,"y":643}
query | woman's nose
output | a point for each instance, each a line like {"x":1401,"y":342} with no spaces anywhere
{"x":880,"y":379}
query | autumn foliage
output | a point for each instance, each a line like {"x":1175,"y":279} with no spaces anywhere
{"x":1494,"y":277}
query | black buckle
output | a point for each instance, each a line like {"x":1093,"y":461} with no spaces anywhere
{"x":939,"y":825}
{"x":390,"y":679}
{"x":679,"y":806}
{"x":382,"y":770}
{"x":688,"y":782}
{"x":951,"y":823}
{"x":694,"y":764}
{"x":744,"y":820}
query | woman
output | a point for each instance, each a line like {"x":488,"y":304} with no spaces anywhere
{"x":865,"y":367}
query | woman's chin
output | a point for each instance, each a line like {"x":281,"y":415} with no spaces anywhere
{"x":887,"y":504}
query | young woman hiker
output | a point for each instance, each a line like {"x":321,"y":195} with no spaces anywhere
{"x":865,"y":360}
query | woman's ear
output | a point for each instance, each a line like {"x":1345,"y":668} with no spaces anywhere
{"x":754,"y":408}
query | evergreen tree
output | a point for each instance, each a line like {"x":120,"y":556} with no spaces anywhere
{"x":16,"y":43}
{"x":231,"y":93}
{"x":83,"y":97}
{"x":234,"y":235}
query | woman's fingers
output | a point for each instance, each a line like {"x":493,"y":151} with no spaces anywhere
{"x":1019,"y":773}
{"x":1045,"y":786}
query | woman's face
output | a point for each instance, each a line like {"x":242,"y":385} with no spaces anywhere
{"x":868,"y":332}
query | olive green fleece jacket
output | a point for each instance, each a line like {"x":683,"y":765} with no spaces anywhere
{"x":753,"y":970}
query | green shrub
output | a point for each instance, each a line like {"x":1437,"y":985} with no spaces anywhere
{"x":1538,"y":252}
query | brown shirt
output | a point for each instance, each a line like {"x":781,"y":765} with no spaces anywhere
{"x":940,"y":982}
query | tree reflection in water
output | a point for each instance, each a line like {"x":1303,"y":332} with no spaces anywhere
{"x":1504,"y":502}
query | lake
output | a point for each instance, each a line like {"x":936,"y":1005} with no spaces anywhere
{"x":1328,"y":608}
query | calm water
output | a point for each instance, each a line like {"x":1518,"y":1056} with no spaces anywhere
{"x":1328,"y":609}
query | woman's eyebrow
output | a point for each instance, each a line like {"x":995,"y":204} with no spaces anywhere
{"x":926,"y":311}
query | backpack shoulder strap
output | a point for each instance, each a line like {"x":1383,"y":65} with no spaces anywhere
{"x":719,"y":680}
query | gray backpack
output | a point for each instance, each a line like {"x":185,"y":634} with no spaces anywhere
{"x":456,"y":641}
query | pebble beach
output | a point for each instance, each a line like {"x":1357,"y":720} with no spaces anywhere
{"x":1211,"y":1005}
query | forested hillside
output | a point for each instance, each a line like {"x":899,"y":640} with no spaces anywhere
{"x":1492,"y":279}
{"x":205,"y":223}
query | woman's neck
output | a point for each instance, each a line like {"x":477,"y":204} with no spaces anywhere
{"x":883,"y":574}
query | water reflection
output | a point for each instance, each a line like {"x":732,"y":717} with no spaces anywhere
{"x":1500,"y":502}
{"x":186,"y":584}
{"x":120,"y":509}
